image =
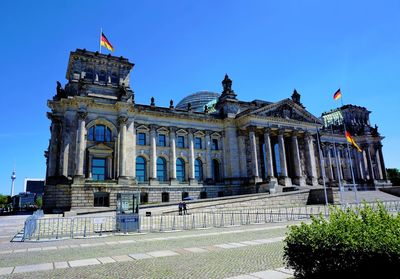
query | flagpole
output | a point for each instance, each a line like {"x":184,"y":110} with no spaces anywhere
{"x":337,"y":167}
{"x":321,"y":162}
{"x":349,"y":157}
{"x":101,"y":32}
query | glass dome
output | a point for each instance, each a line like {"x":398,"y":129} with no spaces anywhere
{"x":198,"y":100}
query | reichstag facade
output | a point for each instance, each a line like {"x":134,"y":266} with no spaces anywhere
{"x":209,"y":145}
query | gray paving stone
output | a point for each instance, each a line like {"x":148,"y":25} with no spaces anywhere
{"x":84,"y":262}
{"x":19,"y":250}
{"x":140,"y":256}
{"x":6,"y":252}
{"x":250,"y":242}
{"x":195,"y":250}
{"x":163,"y":253}
{"x":112,"y":242}
{"x":6,"y":270}
{"x":33,"y":267}
{"x":245,"y":276}
{"x":237,"y":244}
{"x":105,"y":260}
{"x":126,"y":241}
{"x":285,"y":270}
{"x":62,"y":247}
{"x":270,"y":274}
{"x":59,"y":265}
{"x":225,"y":246}
{"x":34,"y":249}
{"x":49,"y":248}
{"x":122,"y":258}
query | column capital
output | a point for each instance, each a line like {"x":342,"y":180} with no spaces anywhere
{"x":281,"y":132}
{"x":122,"y":119}
{"x":252,"y":128}
{"x":172,"y":129}
{"x":153,"y":127}
{"x":191,"y":131}
{"x":267,"y":131}
{"x":82,"y":115}
{"x":295,"y":134}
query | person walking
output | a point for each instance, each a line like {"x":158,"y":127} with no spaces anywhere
{"x":184,"y":208}
{"x":180,"y":207}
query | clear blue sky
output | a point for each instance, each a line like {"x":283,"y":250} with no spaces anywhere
{"x":267,"y":47}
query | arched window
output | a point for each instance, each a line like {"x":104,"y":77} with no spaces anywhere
{"x":99,"y":133}
{"x":215,"y":170}
{"x":161,"y":169}
{"x":180,"y":170}
{"x":141,"y":169}
{"x":198,"y":170}
{"x":277,"y":160}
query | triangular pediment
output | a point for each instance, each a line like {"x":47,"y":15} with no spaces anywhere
{"x":286,"y":109}
{"x":100,"y":148}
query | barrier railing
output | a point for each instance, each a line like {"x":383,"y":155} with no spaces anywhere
{"x":37,"y":228}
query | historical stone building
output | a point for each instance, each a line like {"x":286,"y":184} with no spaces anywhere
{"x":103,"y":143}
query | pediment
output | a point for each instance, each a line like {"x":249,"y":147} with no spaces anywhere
{"x":286,"y":109}
{"x":181,"y":132}
{"x":215,"y":135}
{"x":162,"y":130}
{"x":199,"y":134}
{"x":100,"y":148}
{"x":143,"y":128}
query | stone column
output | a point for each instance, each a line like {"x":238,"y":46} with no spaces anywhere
{"x":89,"y":164}
{"x":312,"y":168}
{"x":299,"y":179}
{"x":253,"y":146}
{"x":369,"y":162}
{"x":378,"y":161}
{"x":53,"y":160}
{"x":356,"y":168}
{"x":191,"y":159}
{"x":132,"y":160}
{"x":122,"y":146}
{"x":80,"y":154}
{"x":382,"y":162}
{"x":153,"y":155}
{"x":268,"y":155}
{"x":340,"y":162}
{"x":172,"y":159}
{"x":331,"y":175}
{"x":284,"y":179}
{"x":208,"y":156}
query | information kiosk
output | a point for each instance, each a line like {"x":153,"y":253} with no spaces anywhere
{"x":128,"y":212}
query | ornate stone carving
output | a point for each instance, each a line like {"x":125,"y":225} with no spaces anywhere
{"x":122,"y":119}
{"x":82,"y":115}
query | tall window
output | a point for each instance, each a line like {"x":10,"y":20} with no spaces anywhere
{"x":198,"y":170}
{"x":161,"y":169}
{"x":180,"y":170}
{"x":99,"y":133}
{"x":161,"y":140}
{"x":140,"y":169}
{"x":102,"y":77}
{"x":215,"y":170}
{"x":141,"y":139}
{"x":101,"y":199}
{"x":89,"y":74}
{"x":99,"y":168}
{"x":197,"y":143}
{"x":214,"y":145}
{"x":114,"y":78}
{"x":181,"y":142}
{"x":277,"y":160}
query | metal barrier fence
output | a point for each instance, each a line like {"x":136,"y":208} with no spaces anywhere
{"x":37,"y":228}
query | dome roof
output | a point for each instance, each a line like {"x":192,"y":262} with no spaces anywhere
{"x":198,"y":100}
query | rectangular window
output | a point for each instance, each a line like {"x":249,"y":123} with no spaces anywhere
{"x":98,"y":169}
{"x":214,"y":145}
{"x":181,"y":142}
{"x":197,"y":143}
{"x":141,"y":140}
{"x":161,"y":140}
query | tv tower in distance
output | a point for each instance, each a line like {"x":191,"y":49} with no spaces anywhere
{"x":13,"y":177}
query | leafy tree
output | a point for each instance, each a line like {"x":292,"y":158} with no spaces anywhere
{"x":394,"y":176}
{"x":39,"y":202}
{"x":4,"y":200}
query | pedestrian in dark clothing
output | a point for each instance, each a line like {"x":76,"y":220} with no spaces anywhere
{"x":180,"y":207}
{"x":184,"y":208}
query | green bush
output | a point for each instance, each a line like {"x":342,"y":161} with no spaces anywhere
{"x":350,"y":244}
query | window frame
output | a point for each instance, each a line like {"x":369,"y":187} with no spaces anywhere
{"x":163,"y":142}
{"x":180,"y":141}
{"x":141,"y":141}
{"x":198,"y":143}
{"x":96,"y":176}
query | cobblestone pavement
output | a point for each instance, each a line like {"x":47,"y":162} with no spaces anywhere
{"x":248,"y":251}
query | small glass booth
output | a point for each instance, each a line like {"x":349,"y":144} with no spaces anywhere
{"x":127,"y":215}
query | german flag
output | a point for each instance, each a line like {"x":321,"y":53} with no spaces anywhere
{"x":337,"y":95}
{"x":105,"y":43}
{"x":351,"y":140}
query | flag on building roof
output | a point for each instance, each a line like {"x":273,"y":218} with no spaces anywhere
{"x":337,"y":95}
{"x":351,"y":140}
{"x":105,"y":43}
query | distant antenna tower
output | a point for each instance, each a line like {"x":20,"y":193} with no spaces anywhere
{"x":13,"y":177}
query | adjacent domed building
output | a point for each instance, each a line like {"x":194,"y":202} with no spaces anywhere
{"x":198,"y":100}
